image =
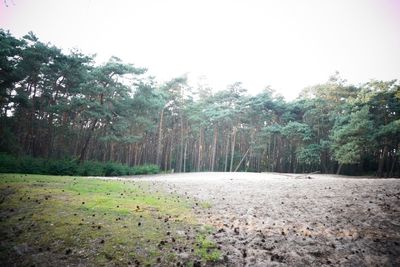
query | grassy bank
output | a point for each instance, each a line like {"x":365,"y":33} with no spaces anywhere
{"x":48,"y":221}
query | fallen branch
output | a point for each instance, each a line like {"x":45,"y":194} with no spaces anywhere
{"x":237,"y":167}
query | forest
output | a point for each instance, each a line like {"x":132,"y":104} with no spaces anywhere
{"x":62,"y":105}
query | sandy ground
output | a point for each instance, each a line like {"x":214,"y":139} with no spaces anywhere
{"x":268,"y":219}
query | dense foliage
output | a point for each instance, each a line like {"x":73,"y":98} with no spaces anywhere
{"x":30,"y":165}
{"x":57,"y":105}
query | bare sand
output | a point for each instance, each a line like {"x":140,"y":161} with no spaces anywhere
{"x":272,"y":219}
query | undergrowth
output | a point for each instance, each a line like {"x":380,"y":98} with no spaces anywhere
{"x":30,"y":165}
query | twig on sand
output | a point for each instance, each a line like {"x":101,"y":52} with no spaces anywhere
{"x":306,"y":175}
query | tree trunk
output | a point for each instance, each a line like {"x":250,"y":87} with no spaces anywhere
{"x":112,"y":151}
{"x":382,"y":161}
{"x":274,"y":155}
{"x":135,"y":154}
{"x":339,"y":169}
{"x":166,"y":156}
{"x":393,"y":166}
{"x":184,"y":156}
{"x":200,"y":150}
{"x":50,"y":139}
{"x":233,"y":148}
{"x":395,"y":157}
{"x":77,"y":141}
{"x":226,"y":154}
{"x":159,"y":142}
{"x":214,"y":148}
{"x":170,"y":152}
{"x":129,"y":156}
{"x":181,"y":145}
{"x":86,"y":144}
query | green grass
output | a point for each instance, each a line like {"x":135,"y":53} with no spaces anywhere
{"x":206,"y":249}
{"x":205,"y":205}
{"x":64,"y":220}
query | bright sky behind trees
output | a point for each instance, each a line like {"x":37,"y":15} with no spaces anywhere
{"x":286,"y":44}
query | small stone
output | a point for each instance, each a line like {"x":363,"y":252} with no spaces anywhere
{"x":236,"y":230}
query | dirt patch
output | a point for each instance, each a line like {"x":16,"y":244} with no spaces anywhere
{"x":275,"y":219}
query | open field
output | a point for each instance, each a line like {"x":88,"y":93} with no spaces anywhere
{"x":234,"y":219}
{"x":279,"y":219}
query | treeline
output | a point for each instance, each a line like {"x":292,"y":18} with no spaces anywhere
{"x":57,"y":105}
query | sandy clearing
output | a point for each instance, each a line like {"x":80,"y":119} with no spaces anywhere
{"x":268,"y":219}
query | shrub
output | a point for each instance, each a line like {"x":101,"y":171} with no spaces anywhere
{"x":8,"y":164}
{"x":146,"y":169}
{"x":114,"y":169}
{"x":27,"y":164}
{"x":31,"y":165}
{"x":62,"y":167}
{"x":91,"y":168}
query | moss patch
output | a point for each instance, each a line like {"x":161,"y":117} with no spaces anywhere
{"x":50,"y":220}
{"x":207,"y":249}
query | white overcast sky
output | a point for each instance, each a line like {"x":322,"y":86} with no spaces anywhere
{"x":287,"y":44}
